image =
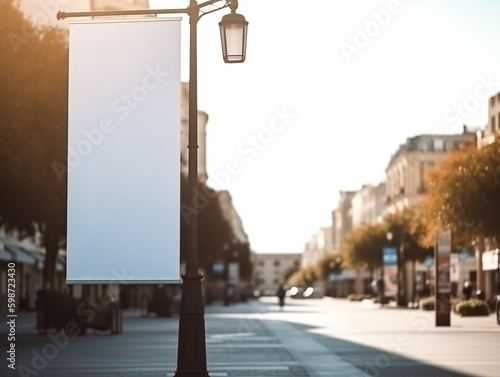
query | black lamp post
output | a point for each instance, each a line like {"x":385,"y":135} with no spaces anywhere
{"x":191,"y":356}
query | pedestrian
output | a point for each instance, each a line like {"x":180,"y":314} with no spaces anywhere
{"x":281,"y":293}
{"x":427,"y":288}
{"x":381,"y":290}
{"x":467,"y":290}
{"x":374,"y":285}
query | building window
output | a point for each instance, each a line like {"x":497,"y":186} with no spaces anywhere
{"x":276,"y":281}
{"x":424,"y":146}
{"x":277,"y":262}
{"x":401,"y":186}
{"x":493,"y":123}
{"x":438,"y":145}
{"x":492,"y":101}
{"x":261,"y":263}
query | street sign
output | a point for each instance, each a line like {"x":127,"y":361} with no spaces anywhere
{"x":490,"y":260}
{"x":464,"y":254}
{"x":429,"y":261}
{"x":219,"y":267}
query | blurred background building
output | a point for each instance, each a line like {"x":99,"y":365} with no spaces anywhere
{"x":271,"y":269}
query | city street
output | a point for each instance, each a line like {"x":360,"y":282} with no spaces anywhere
{"x":320,"y":337}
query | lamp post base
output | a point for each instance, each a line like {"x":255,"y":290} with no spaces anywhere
{"x":191,"y":355}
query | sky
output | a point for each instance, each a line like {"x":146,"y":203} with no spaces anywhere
{"x":317,"y":107}
{"x":328,"y":91}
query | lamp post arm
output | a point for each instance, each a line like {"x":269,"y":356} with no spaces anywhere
{"x":61,"y":15}
{"x":233,"y":4}
{"x":213,"y":10}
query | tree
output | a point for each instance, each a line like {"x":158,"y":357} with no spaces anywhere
{"x":464,"y":194}
{"x":214,"y":231}
{"x":408,"y":229}
{"x":362,"y":246}
{"x":33,"y":119}
{"x":245,"y":261}
{"x":289,"y":272}
{"x":305,"y":276}
{"x":329,"y":263}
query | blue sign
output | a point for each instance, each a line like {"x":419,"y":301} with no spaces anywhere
{"x":464,"y":254}
{"x":429,"y":261}
{"x":390,"y":256}
{"x":219,"y":267}
{"x":336,"y":276}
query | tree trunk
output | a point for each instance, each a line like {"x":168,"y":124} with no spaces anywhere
{"x":480,"y":248}
{"x":51,"y":243}
{"x":414,"y":288}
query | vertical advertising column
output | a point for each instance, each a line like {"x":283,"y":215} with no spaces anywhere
{"x":390,"y":259}
{"x":443,"y":284}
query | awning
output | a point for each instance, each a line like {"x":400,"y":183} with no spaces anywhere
{"x":4,"y":255}
{"x":14,"y":252}
{"x":21,"y":255}
{"x":37,"y":255}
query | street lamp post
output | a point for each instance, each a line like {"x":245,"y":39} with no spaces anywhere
{"x":191,"y":356}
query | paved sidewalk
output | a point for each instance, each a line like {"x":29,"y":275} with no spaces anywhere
{"x":239,"y":344}
{"x":306,"y":355}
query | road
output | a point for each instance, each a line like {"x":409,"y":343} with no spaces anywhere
{"x":310,"y":338}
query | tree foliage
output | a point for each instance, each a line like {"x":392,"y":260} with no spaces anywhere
{"x":305,"y":276}
{"x":215,"y":238}
{"x":464,"y":194}
{"x":213,"y":231}
{"x":408,"y":230}
{"x":362,"y":247}
{"x":33,"y":118}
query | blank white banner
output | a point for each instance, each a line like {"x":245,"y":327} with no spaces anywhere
{"x":124,"y":151}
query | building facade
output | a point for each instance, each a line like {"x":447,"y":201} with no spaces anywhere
{"x":407,"y":168}
{"x":270,"y":270}
{"x":492,"y":129}
{"x":343,"y":217}
{"x":319,"y":245}
{"x":368,"y":204}
{"x":488,"y":247}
